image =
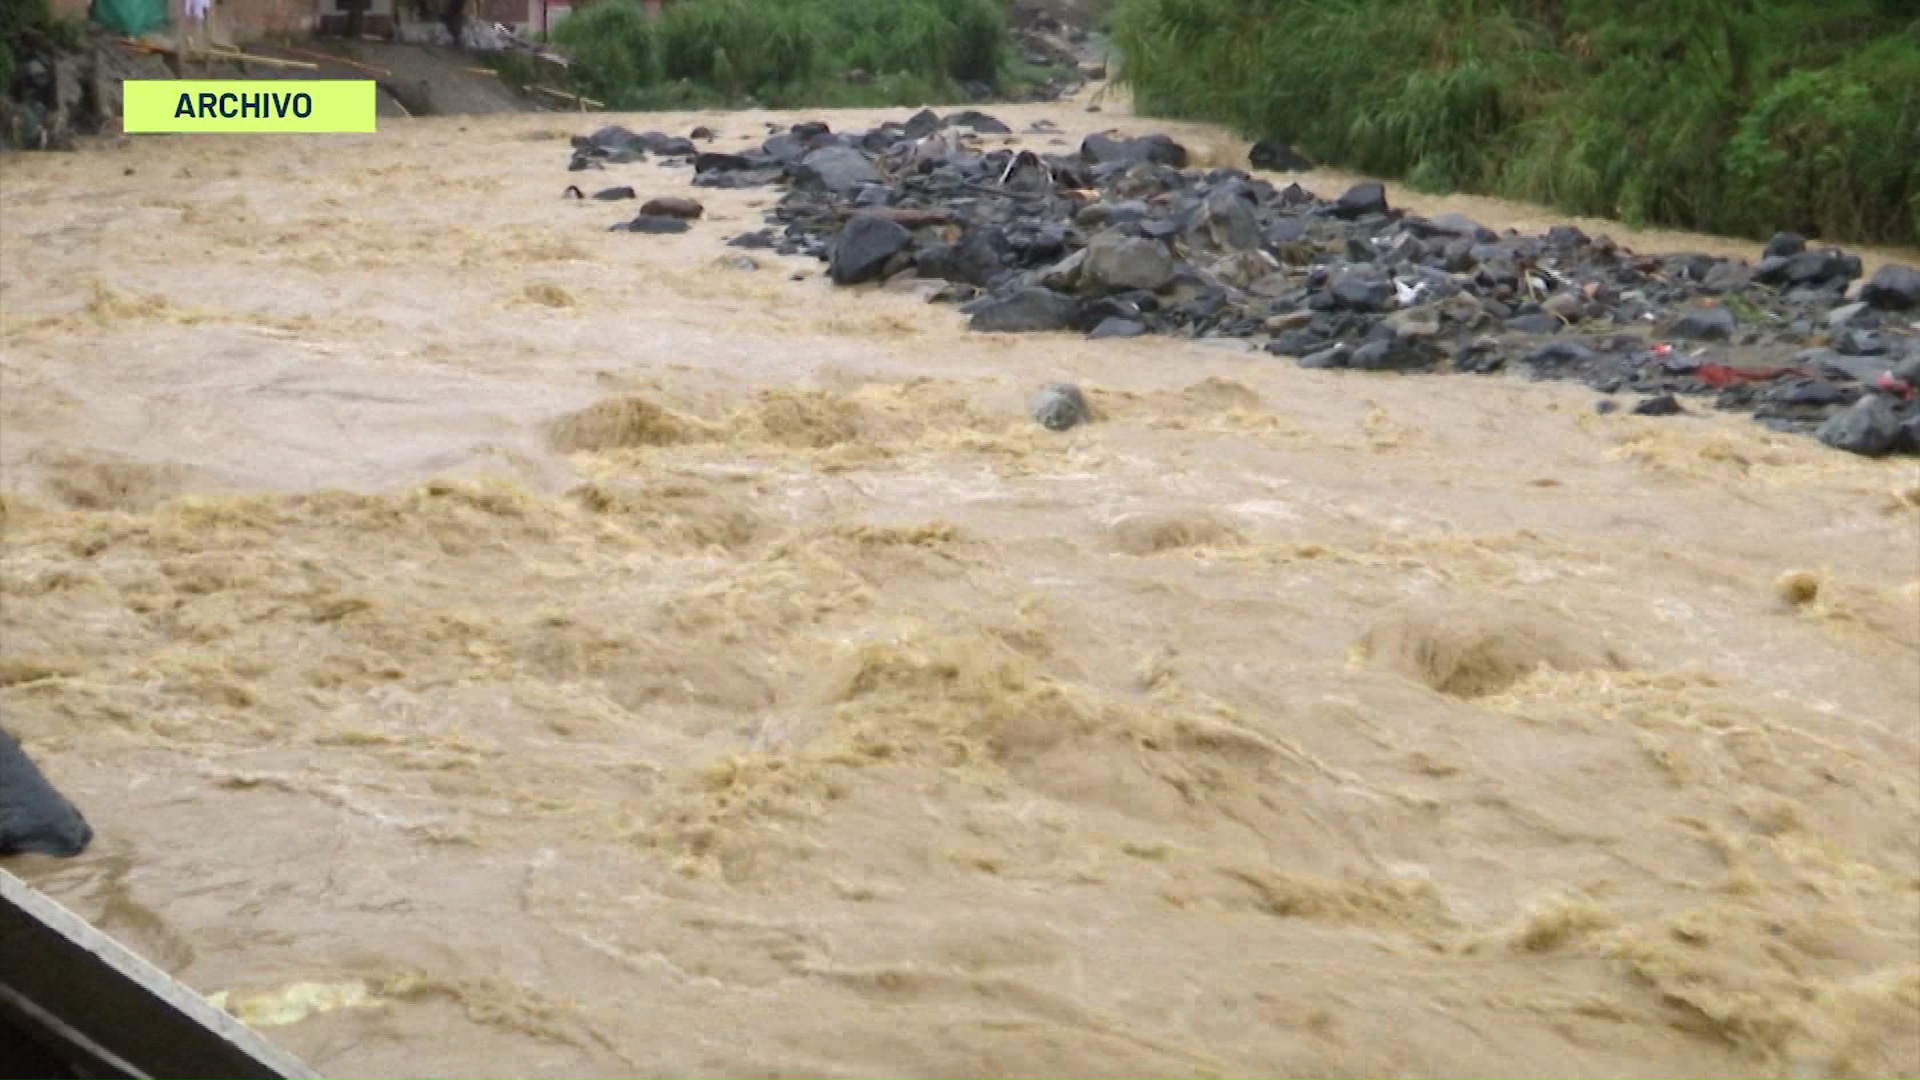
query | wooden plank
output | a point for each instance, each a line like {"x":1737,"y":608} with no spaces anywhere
{"x":106,"y":1005}
{"x":327,"y":58}
{"x":564,"y":96}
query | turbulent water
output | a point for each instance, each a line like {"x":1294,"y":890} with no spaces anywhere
{"x":487,"y":645}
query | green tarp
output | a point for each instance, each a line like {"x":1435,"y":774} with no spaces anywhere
{"x":130,"y":17}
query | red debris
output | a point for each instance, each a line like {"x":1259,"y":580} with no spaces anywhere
{"x":1891,"y":385}
{"x":1721,"y":376}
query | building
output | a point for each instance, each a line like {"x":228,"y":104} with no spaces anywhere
{"x":234,"y":22}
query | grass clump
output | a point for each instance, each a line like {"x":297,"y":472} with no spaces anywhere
{"x":1737,"y":116}
{"x":786,"y":52}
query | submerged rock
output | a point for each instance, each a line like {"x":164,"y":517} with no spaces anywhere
{"x":35,"y":819}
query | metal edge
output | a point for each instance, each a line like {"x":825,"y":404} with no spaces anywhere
{"x":161,"y":986}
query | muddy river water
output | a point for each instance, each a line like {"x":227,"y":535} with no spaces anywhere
{"x":488,"y":645}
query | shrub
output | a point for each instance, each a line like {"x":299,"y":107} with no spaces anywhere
{"x":615,"y":54}
{"x":1732,"y":115}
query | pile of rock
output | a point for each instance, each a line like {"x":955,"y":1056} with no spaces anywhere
{"x":59,"y":94}
{"x":1120,"y":239}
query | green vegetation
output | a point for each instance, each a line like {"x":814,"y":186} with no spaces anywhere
{"x":1736,"y":116}
{"x":787,"y":52}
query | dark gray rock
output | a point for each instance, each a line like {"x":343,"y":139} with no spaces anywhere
{"x":1362,"y":290}
{"x":838,"y":169}
{"x":1893,"y":288}
{"x":1856,"y":314}
{"x":1113,"y":326}
{"x":655,"y":224}
{"x":1298,"y":341}
{"x":1556,"y":354}
{"x":1662,"y":405}
{"x":1870,"y":426}
{"x":1332,"y":357}
{"x":1060,"y":406}
{"x":613,"y":194}
{"x":1230,"y":222}
{"x":1369,"y":197}
{"x":1816,"y":268}
{"x":978,"y":121}
{"x":1705,"y":324}
{"x":1116,"y":263}
{"x":864,"y":245}
{"x":1863,"y":343}
{"x":716,"y":161}
{"x":977,"y":259}
{"x":1785,"y":245}
{"x":1392,"y":354}
{"x":1537,"y":323}
{"x":1727,"y":276}
{"x":1276,"y":156}
{"x":35,"y":819}
{"x":1024,"y":311}
{"x":1101,"y":149}
{"x":921,"y":124}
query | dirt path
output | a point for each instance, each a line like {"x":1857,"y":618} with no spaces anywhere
{"x":488,"y":645}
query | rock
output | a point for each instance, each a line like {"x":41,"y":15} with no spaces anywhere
{"x":1362,"y":199}
{"x":838,"y":169}
{"x":921,"y":124}
{"x":1848,"y":314}
{"x":673,"y":206}
{"x":1415,"y":323}
{"x":1727,"y":276}
{"x":1785,"y":245}
{"x":1568,"y":306}
{"x":715,"y":161}
{"x":1893,"y":288}
{"x":1296,"y":342}
{"x":1816,"y":268}
{"x":1116,"y":262}
{"x":664,"y":145}
{"x":1025,"y":310}
{"x":35,"y":819}
{"x":1363,"y":290}
{"x":1150,"y":149}
{"x":1663,"y":405}
{"x":1557,"y":354}
{"x":1537,"y":323}
{"x":978,"y":121}
{"x":1396,"y":354}
{"x":976,"y":260}
{"x":613,"y":194}
{"x":1060,"y":406}
{"x":1870,"y":427}
{"x":1230,"y":222}
{"x":702,"y":133}
{"x":652,"y":223}
{"x":864,"y":245}
{"x":1276,"y":156}
{"x":1862,"y":343}
{"x":1114,"y":326}
{"x":1704,"y":324}
{"x":1332,"y":357}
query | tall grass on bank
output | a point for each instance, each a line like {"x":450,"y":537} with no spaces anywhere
{"x":785,"y":52}
{"x":1737,"y":116}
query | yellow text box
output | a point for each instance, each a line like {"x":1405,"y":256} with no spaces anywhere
{"x":263,"y":106}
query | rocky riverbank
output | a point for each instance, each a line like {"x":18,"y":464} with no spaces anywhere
{"x":1120,"y":238}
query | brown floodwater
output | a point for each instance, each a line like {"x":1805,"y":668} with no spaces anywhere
{"x":488,"y":645}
